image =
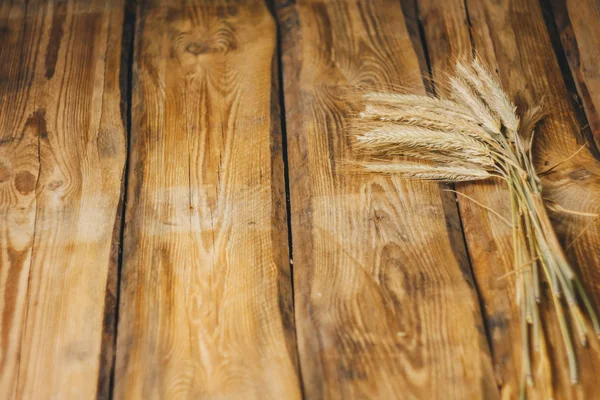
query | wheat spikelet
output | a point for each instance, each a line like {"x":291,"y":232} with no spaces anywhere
{"x":425,"y":172}
{"x":432,"y":104}
{"x":498,"y":98}
{"x":425,"y":117}
{"x":394,"y":139}
{"x":463,"y":93}
{"x":436,"y":158}
{"x":490,"y":91}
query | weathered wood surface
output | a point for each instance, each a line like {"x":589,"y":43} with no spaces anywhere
{"x":578,"y":23}
{"x":512,"y":37}
{"x":386,"y":305}
{"x":62,"y":152}
{"x":383,"y":308}
{"x":205,"y":307}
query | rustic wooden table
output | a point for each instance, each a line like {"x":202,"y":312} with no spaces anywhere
{"x":161,"y":163}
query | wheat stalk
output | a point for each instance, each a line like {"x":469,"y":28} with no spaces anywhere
{"x":477,"y":134}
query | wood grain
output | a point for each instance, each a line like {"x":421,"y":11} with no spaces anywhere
{"x":512,"y":37}
{"x":578,"y":24}
{"x":205,"y":307}
{"x":383,"y":308}
{"x":62,"y":152}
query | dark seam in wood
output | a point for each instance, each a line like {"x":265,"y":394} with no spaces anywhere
{"x":468,"y":268}
{"x":286,"y":176}
{"x":566,"y":72}
{"x":125,"y":83}
{"x":577,"y":100}
{"x":108,"y":318}
{"x":484,"y":315}
{"x":471,"y":39}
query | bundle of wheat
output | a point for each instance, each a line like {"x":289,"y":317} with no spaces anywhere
{"x":476,"y":134}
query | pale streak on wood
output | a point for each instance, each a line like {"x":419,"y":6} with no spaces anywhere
{"x":513,"y":37}
{"x":382,"y":307}
{"x":62,"y":153}
{"x":206,"y":301}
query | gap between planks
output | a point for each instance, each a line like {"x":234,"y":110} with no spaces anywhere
{"x":109,"y":345}
{"x":415,"y":28}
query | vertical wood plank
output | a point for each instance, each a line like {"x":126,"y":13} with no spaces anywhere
{"x":578,"y":24}
{"x":206,"y":292}
{"x":512,"y":37}
{"x":62,"y":152}
{"x":383,"y":308}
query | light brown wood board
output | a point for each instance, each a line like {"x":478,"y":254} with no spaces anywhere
{"x":387,"y":298}
{"x":206,"y":307}
{"x":383,"y":309}
{"x":62,"y":154}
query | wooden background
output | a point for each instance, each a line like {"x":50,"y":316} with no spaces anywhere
{"x":174,"y":221}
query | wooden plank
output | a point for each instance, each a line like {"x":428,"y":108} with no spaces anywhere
{"x":513,"y":37}
{"x":62,"y":152}
{"x":206,"y":295}
{"x":383,"y":308}
{"x":578,"y":24}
